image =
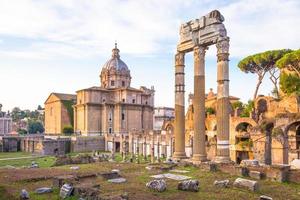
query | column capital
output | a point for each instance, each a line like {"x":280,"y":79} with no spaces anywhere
{"x":199,"y":52}
{"x":223,"y":49}
{"x":179,"y":59}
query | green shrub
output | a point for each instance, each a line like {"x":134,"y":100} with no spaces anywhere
{"x":68,"y":130}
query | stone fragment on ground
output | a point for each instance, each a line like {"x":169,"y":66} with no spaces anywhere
{"x":264,"y":197}
{"x":175,"y":177}
{"x":158,"y":185}
{"x":117,"y":180}
{"x":34,"y":165}
{"x":222,"y":183}
{"x":295,"y":164}
{"x":189,"y":185}
{"x":43,"y":190}
{"x":75,"y":167}
{"x":179,"y":171}
{"x":256,"y":175}
{"x":24,"y":195}
{"x":110,"y":175}
{"x":246,"y":184}
{"x":66,"y":191}
{"x":249,"y":163}
{"x":115,"y":171}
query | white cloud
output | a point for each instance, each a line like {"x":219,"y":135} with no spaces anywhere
{"x":88,"y":28}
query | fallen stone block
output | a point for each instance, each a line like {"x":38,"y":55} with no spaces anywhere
{"x":43,"y":190}
{"x":246,"y":163}
{"x":159,"y":185}
{"x":246,"y":184}
{"x":175,"y":177}
{"x":179,"y":171}
{"x":110,"y":175}
{"x":24,"y":195}
{"x":263,"y":197}
{"x":256,"y":175}
{"x":65,"y":191}
{"x":190,"y":185}
{"x":117,"y":180}
{"x":295,"y":164}
{"x":74,"y":167}
{"x":222,"y":183}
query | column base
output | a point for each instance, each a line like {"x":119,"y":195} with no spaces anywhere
{"x":179,"y":155}
{"x":222,"y":159}
{"x":199,"y":158}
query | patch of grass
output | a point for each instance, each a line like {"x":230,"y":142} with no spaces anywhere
{"x":14,"y":154}
{"x":43,"y":162}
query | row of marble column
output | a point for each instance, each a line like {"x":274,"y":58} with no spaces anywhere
{"x":199,"y":150}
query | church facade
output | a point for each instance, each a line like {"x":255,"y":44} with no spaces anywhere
{"x":114,"y":107}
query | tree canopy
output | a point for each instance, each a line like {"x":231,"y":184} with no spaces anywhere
{"x":260,"y":64}
{"x":35,"y":127}
{"x":291,"y":61}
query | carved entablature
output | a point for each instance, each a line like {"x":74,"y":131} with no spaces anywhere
{"x":203,"y":31}
{"x":179,"y":59}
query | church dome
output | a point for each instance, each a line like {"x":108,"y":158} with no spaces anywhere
{"x":115,"y":73}
{"x":115,"y":63}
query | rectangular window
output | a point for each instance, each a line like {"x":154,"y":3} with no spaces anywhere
{"x":123,"y":83}
{"x":112,"y":83}
{"x":133,"y":100}
{"x":110,"y":130}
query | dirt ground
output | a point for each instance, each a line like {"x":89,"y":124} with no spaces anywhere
{"x":13,"y":180}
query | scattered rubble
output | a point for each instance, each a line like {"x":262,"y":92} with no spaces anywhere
{"x":157,"y":185}
{"x":43,"y":190}
{"x":246,"y":184}
{"x":222,"y":183}
{"x":190,"y":185}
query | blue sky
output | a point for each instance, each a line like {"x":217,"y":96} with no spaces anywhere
{"x":60,"y":46}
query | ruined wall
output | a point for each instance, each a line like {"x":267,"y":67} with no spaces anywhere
{"x":88,"y":143}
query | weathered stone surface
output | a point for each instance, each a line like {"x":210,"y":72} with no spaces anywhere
{"x":213,"y":167}
{"x":246,"y":184}
{"x":179,"y":171}
{"x":43,"y":190}
{"x":74,"y":167}
{"x":222,"y":183}
{"x":87,"y":191}
{"x":256,"y":175}
{"x":117,"y":180}
{"x":295,"y":164}
{"x":59,"y":181}
{"x":115,"y":171}
{"x":246,"y":163}
{"x":190,"y":185}
{"x":171,"y":176}
{"x":110,"y":175}
{"x":159,"y":185}
{"x":66,"y":191}
{"x":263,"y":197}
{"x":34,"y":165}
{"x":24,"y":195}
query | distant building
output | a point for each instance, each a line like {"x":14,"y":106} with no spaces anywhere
{"x":114,"y":107}
{"x":5,"y":122}
{"x":160,"y":115}
{"x":59,"y":112}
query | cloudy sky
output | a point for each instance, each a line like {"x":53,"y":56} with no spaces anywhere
{"x":61,"y":45}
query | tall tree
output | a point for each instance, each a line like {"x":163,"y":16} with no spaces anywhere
{"x":260,"y":64}
{"x":291,"y":61}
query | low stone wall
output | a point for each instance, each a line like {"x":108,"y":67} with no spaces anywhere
{"x":88,"y":143}
{"x":294,"y":176}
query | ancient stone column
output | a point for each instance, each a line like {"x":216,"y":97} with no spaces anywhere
{"x":152,"y":149}
{"x":158,"y":148}
{"x":145,"y":148}
{"x":223,"y":101}
{"x":199,"y":151}
{"x":179,"y":108}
